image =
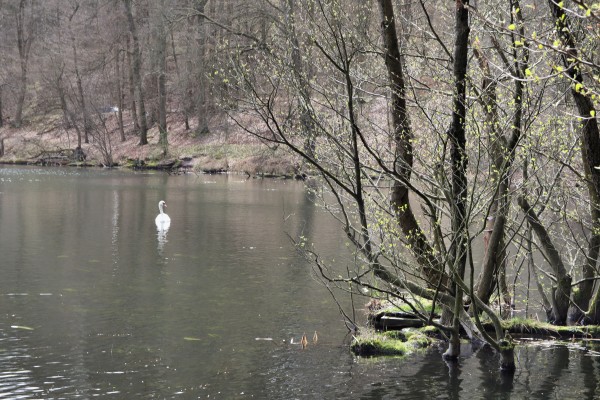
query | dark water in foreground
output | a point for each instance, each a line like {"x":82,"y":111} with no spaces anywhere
{"x":93,"y":303}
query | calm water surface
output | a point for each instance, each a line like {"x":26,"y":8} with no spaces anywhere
{"x":95,"y":303}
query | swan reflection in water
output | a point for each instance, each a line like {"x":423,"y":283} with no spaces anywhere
{"x":163,"y":222}
{"x":162,"y":240}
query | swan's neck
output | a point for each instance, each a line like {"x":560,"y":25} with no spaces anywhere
{"x":160,"y":208}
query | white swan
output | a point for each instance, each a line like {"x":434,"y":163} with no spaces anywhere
{"x":162,"y":220}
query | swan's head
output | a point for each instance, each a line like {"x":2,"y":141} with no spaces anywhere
{"x":161,"y":204}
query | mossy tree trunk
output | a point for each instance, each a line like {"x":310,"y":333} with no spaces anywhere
{"x":507,"y":356}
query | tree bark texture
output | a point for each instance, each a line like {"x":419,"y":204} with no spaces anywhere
{"x":432,"y":268}
{"x":457,"y":137}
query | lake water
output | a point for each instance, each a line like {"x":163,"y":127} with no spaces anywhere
{"x":95,"y":303}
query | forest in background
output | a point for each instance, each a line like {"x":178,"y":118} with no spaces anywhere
{"x":111,"y":76}
{"x":481,"y":115}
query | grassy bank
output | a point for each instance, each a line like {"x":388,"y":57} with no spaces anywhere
{"x":391,"y":343}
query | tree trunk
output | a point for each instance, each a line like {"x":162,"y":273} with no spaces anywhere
{"x":181,"y":90}
{"x":583,"y":298}
{"x":81,"y":97}
{"x":134,"y":114}
{"x":494,"y":227}
{"x":453,"y":350}
{"x":137,"y":77}
{"x":306,"y":121}
{"x":200,"y":84}
{"x":24,"y":47}
{"x":119,"y":83}
{"x":161,"y":59}
{"x":507,"y":356}
{"x":590,"y":149}
{"x":432,"y":268}
{"x":561,"y":291}
{"x":63,"y":103}
{"x":456,"y":135}
{"x":502,"y":153}
{"x":458,"y":159}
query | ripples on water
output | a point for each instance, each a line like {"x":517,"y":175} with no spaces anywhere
{"x":15,"y":382}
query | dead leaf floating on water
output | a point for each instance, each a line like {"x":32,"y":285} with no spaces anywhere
{"x":26,"y":328}
{"x":304,"y":340}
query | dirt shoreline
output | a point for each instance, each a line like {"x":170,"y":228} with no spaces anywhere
{"x":224,"y":150}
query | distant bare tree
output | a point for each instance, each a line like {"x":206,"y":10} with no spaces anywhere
{"x":196,"y":65}
{"x":131,"y":85}
{"x":80,"y":93}
{"x":137,"y":72}
{"x":160,"y":61}
{"x":119,"y":85}
{"x":25,"y":24}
